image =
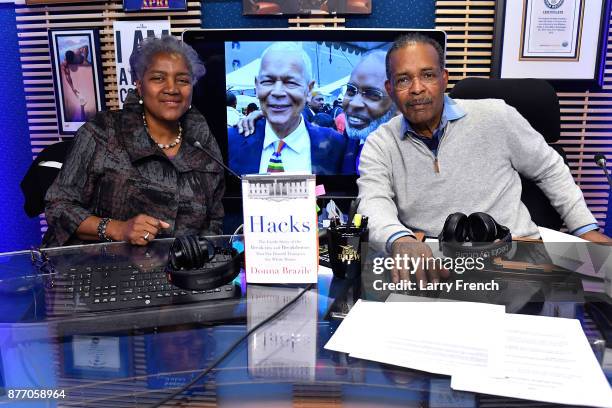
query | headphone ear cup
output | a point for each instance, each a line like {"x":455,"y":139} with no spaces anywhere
{"x":482,"y":227}
{"x":455,"y":227}
{"x":188,"y":257}
{"x":180,"y":253}
{"x":198,"y":256}
{"x":189,"y":252}
{"x":207,"y":249}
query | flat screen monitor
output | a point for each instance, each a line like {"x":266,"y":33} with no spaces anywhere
{"x":233,"y":60}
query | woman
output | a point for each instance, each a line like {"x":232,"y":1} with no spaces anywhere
{"x":134,"y":174}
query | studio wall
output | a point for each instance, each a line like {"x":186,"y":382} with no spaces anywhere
{"x":385,"y":13}
{"x":17,"y":231}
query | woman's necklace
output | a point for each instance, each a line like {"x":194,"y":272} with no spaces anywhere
{"x":161,"y":145}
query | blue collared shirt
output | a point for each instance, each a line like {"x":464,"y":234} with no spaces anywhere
{"x":450,"y":112}
{"x":585,"y":229}
{"x":296,"y":154}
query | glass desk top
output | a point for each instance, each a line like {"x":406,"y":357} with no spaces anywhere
{"x":135,"y":357}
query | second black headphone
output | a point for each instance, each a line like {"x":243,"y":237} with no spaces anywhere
{"x":194,"y":263}
{"x":476,"y":235}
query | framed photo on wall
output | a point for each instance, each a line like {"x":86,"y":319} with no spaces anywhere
{"x":77,"y":76}
{"x":305,"y":7}
{"x":563,"y":41}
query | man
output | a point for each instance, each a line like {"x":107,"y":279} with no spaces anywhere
{"x":251,"y":107}
{"x":336,"y":108}
{"x":443,"y":156}
{"x":233,"y":115}
{"x":284,"y":139}
{"x":315,"y":105}
{"x":366,"y":105}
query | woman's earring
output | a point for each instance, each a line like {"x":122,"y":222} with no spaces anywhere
{"x":140,"y":101}
{"x":189,"y":106}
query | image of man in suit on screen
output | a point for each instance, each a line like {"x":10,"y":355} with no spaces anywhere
{"x":313,"y":106}
{"x":366,"y":105}
{"x":283,"y":140}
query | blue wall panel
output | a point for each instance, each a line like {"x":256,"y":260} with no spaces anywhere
{"x":17,"y":231}
{"x":385,"y":13}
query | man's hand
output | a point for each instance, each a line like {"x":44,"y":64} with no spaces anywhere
{"x":137,"y":231}
{"x":596,"y":236}
{"x":409,"y":247}
{"x":246,"y":125}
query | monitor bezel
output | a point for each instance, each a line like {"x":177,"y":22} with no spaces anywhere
{"x":340,"y":185}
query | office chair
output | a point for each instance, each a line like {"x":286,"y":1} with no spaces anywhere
{"x":41,"y":174}
{"x":537,"y":101}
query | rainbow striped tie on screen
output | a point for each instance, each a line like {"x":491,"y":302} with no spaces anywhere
{"x":276,"y":163}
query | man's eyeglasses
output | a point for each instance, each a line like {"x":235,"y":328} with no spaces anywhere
{"x":371,"y":94}
{"x":404,"y":82}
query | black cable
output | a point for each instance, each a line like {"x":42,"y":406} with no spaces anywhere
{"x":231,"y":348}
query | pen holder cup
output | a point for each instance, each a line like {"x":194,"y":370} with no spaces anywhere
{"x":347,"y":249}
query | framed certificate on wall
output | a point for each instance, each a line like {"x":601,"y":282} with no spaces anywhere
{"x":559,"y":40}
{"x":551,"y":30}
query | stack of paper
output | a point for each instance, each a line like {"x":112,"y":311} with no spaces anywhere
{"x":481,"y":347}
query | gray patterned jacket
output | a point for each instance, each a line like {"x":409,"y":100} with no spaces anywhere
{"x":115,"y":170}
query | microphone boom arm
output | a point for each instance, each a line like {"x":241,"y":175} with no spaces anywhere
{"x":199,"y":146}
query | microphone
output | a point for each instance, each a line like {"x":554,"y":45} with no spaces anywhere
{"x":600,"y":161}
{"x":199,"y":146}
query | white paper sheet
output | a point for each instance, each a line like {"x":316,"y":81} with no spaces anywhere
{"x":353,"y":328}
{"x":435,"y":337}
{"x":439,"y":338}
{"x":544,"y":359}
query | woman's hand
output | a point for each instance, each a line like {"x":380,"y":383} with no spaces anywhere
{"x":139,"y":230}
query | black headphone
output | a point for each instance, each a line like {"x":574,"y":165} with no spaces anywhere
{"x":194,"y":263}
{"x":487,"y":238}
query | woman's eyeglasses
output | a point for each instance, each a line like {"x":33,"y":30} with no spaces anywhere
{"x":371,"y":94}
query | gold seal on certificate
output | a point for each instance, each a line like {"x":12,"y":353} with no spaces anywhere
{"x":551,"y":29}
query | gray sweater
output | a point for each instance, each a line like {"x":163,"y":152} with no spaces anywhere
{"x":480,"y":157}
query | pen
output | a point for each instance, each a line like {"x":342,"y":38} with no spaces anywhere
{"x":352,"y":211}
{"x":357,"y":220}
{"x":336,"y":221}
